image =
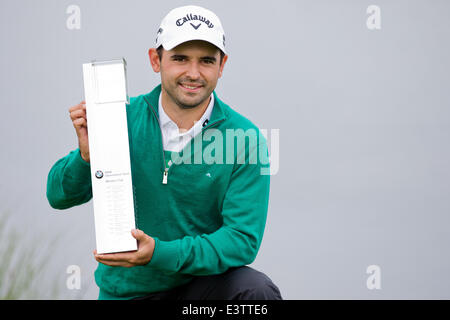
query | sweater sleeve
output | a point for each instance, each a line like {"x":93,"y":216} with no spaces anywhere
{"x":69,"y":182}
{"x":236,"y":242}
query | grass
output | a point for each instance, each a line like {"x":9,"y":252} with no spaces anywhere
{"x":25,"y":270}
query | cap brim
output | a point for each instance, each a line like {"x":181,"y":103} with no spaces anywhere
{"x":169,"y":45}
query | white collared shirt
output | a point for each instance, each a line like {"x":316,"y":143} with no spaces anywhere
{"x":175,"y":139}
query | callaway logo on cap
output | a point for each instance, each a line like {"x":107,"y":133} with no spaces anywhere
{"x":190,"y":23}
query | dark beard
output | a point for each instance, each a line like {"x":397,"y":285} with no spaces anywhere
{"x":185,"y":106}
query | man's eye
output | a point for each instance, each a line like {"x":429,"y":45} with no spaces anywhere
{"x":178,"y":59}
{"x":208,"y":61}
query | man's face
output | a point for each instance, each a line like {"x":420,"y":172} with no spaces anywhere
{"x":189,"y":72}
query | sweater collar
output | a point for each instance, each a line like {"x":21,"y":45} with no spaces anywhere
{"x":218,"y":112}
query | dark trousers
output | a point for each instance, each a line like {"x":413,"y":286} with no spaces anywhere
{"x":238,"y":283}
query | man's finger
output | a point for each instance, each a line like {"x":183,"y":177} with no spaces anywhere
{"x":81,"y":105}
{"x":101,"y":258}
{"x":80,"y":122}
{"x":126,"y":256}
{"x":78,"y":114}
{"x":115,"y":263}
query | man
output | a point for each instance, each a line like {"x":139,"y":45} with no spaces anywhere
{"x":199,"y":224}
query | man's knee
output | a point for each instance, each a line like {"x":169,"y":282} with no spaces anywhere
{"x":249,"y":284}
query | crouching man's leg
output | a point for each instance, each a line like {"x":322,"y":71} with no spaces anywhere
{"x":238,"y":283}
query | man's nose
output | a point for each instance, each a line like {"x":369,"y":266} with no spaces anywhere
{"x":193,"y":70}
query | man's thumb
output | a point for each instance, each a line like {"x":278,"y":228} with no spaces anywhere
{"x":138,"y":234}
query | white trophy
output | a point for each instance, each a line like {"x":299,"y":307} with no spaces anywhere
{"x":106,"y":97}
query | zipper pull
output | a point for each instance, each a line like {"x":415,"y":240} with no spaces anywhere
{"x":166,"y":173}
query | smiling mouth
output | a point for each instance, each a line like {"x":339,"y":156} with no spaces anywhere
{"x":190,"y":88}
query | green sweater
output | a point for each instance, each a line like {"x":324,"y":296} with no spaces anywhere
{"x":208,"y":217}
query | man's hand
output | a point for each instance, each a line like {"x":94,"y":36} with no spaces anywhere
{"x":79,"y":120}
{"x":146,"y":246}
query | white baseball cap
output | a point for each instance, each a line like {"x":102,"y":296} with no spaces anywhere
{"x":190,"y":23}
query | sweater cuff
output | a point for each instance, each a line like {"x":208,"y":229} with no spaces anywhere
{"x":165,"y":255}
{"x":77,"y":168}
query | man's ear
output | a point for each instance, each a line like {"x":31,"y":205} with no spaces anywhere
{"x":225,"y":58}
{"x":154,"y":59}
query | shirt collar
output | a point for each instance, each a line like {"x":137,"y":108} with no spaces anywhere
{"x":197,"y":127}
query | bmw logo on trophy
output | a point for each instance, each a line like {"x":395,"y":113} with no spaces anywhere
{"x":99,"y":174}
